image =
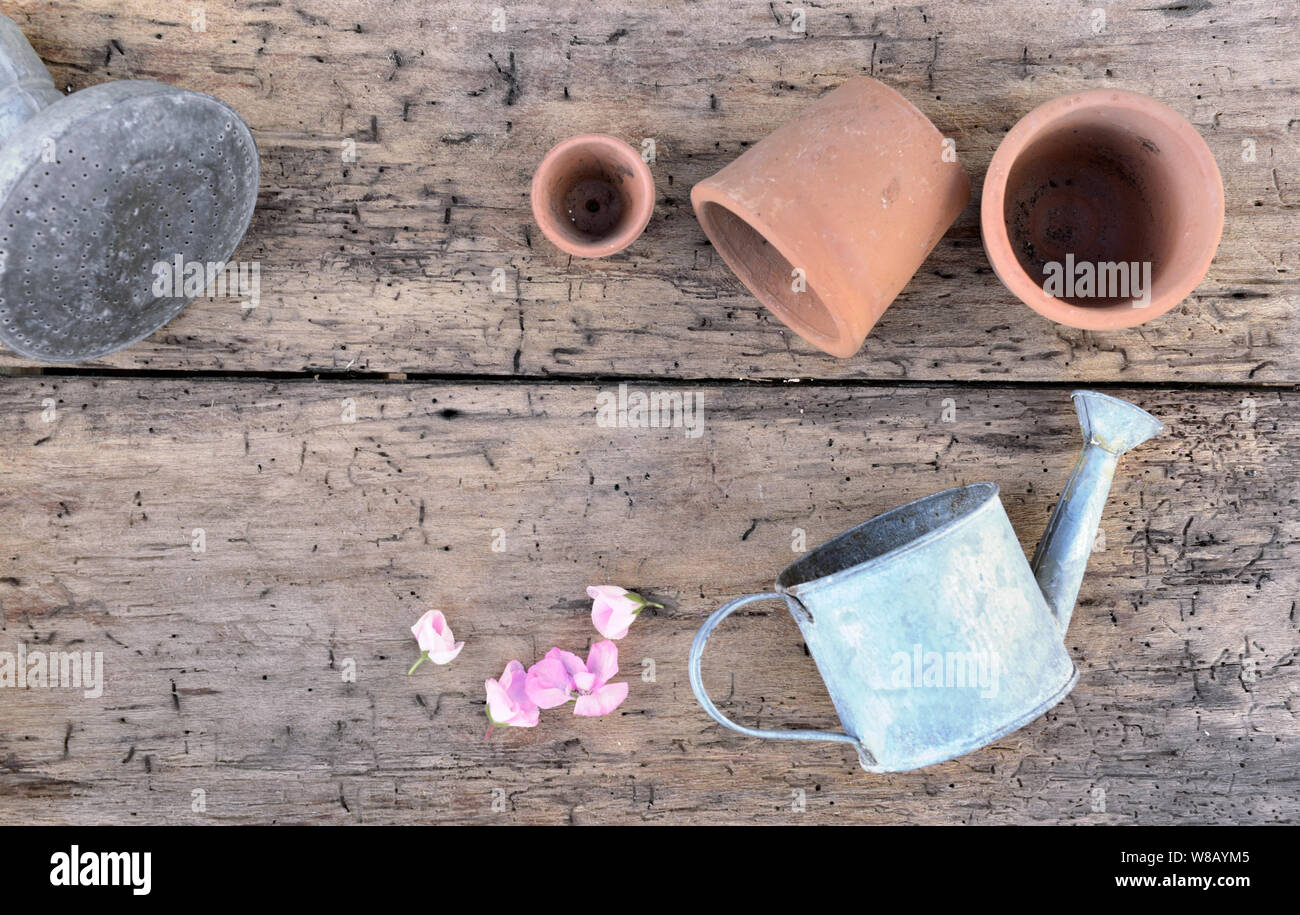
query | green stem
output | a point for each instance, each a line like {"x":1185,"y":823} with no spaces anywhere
{"x":644,"y":603}
{"x":424,"y":656}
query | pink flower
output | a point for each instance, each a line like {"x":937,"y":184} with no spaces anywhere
{"x":437,"y":644}
{"x":507,"y":703}
{"x":613,"y":609}
{"x":550,"y":681}
{"x":561,"y":676}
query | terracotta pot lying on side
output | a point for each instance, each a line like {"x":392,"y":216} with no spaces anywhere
{"x":1102,"y":178}
{"x":592,"y":195}
{"x":826,"y":219}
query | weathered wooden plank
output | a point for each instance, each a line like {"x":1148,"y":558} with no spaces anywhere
{"x":325,"y":539}
{"x":386,"y":264}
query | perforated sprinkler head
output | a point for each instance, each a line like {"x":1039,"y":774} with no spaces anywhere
{"x":103,"y":195}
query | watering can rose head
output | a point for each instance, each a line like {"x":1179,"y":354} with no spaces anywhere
{"x":73,"y":170}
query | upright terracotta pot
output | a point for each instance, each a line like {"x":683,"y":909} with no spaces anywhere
{"x":1103,"y":178}
{"x":592,"y":195}
{"x":826,"y":219}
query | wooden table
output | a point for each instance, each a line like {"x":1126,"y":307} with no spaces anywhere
{"x":387,"y":433}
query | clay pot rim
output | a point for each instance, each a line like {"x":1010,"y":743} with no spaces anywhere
{"x":851,"y":326}
{"x":997,"y":245}
{"x":642,"y":195}
{"x":842,"y":343}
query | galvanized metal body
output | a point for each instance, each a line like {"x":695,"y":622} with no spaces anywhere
{"x":927,"y":624}
{"x":25,"y":84}
{"x":96,"y":190}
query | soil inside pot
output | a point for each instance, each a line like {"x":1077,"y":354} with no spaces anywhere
{"x":1097,"y":193}
{"x":594,"y":207}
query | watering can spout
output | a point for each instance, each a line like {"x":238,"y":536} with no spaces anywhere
{"x":1110,"y":427}
{"x":25,"y":85}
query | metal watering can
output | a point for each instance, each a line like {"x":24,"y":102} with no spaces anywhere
{"x":100,"y":191}
{"x":932,"y":633}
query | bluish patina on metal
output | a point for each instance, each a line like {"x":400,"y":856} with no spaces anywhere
{"x":933,"y":634}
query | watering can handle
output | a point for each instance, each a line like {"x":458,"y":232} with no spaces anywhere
{"x":697,"y":654}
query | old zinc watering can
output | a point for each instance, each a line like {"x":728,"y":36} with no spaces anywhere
{"x":932,"y":633}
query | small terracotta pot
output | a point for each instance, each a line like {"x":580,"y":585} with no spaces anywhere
{"x":592,"y":195}
{"x":855,"y":192}
{"x":1102,"y":177}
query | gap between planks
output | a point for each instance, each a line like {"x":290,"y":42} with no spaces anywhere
{"x":581,"y":378}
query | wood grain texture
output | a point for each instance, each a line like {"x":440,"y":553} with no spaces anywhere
{"x":386,"y":264}
{"x":325,"y":539}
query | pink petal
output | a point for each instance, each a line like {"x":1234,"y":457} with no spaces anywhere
{"x":572,"y":663}
{"x":423,"y":630}
{"x":584,"y":681}
{"x":445,"y":655}
{"x":506,"y":700}
{"x":513,"y":681}
{"x":610,"y":621}
{"x":440,"y":628}
{"x":602,"y":701}
{"x":602,"y":660}
{"x":548,"y":684}
{"x":500,"y":708}
{"x":616,"y":599}
{"x":526,"y":718}
{"x":434,"y":636}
